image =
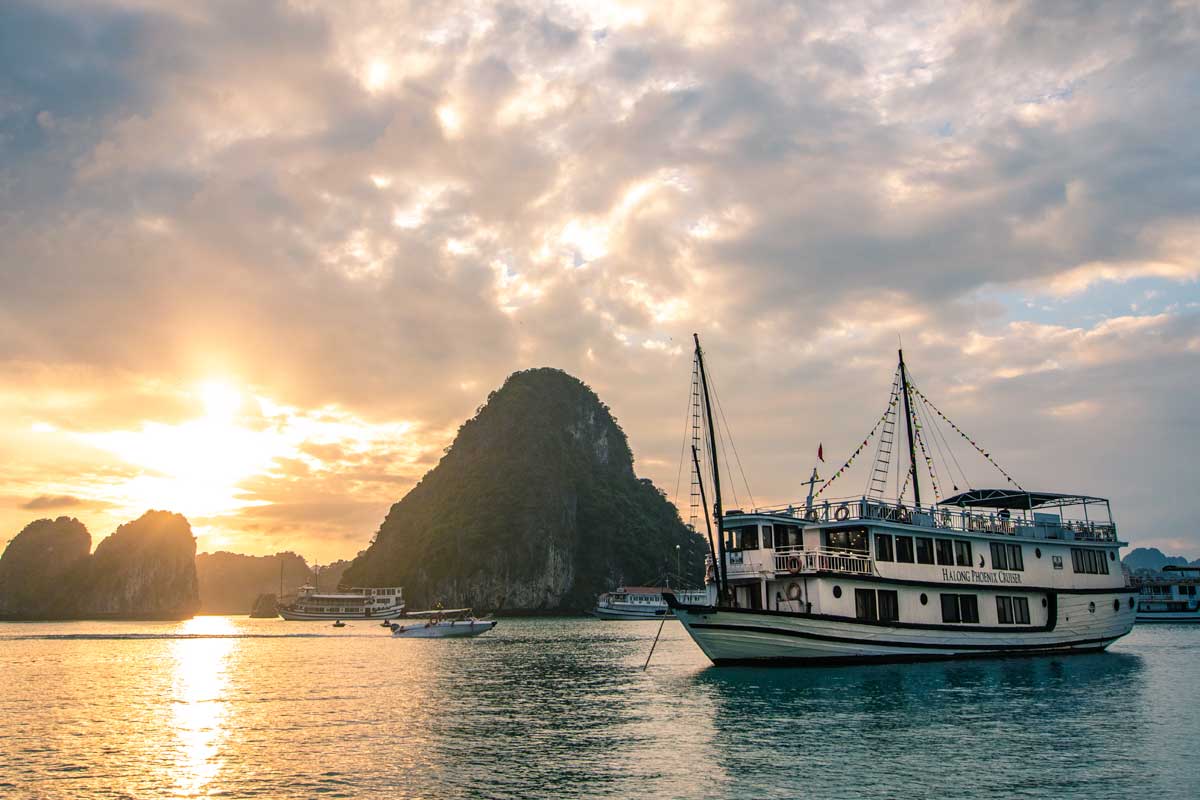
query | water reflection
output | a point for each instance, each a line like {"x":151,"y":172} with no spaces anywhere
{"x":199,"y":706}
{"x":949,"y":724}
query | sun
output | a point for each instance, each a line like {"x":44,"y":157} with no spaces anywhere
{"x":221,"y":401}
{"x":194,"y":467}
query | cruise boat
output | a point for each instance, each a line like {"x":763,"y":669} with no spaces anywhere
{"x":982,"y":572}
{"x":351,"y":603}
{"x":1170,"y":598}
{"x":641,"y":602}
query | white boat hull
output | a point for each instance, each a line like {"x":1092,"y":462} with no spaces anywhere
{"x":632,"y":614}
{"x":442,"y":630}
{"x":1169,"y":616}
{"x":734,"y":636}
{"x":390,"y":612}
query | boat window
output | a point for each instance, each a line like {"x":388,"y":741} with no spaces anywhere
{"x":787,"y":535}
{"x":767,"y":536}
{"x":864,"y":605}
{"x":962,"y":553}
{"x":883,"y":547}
{"x":742,"y":538}
{"x":889,"y":605}
{"x":1007,"y":557}
{"x":1089,"y":561}
{"x":950,"y":608}
{"x":960,"y":608}
{"x":1021,"y":610}
{"x":904,"y":549}
{"x":1004,"y":610}
{"x":847,"y":539}
{"x":945,"y":552}
{"x":924,"y":550}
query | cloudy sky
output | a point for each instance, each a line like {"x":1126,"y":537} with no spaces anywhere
{"x":258,"y":261}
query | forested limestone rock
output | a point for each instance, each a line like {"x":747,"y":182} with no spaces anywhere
{"x":534,"y":507}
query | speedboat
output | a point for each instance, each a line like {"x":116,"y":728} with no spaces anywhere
{"x":441,"y":629}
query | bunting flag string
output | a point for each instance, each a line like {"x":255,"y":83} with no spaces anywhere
{"x":961,"y":433}
{"x":937,"y":492}
{"x":891,"y":404}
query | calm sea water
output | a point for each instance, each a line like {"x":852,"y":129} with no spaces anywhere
{"x":234,"y":707}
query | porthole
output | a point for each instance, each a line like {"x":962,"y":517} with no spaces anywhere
{"x":1043,"y":602}
{"x":1092,"y":607}
{"x":1116,"y":605}
{"x":1131,"y":602}
{"x":837,"y":591}
{"x":1037,"y":551}
{"x":1112,"y":556}
{"x":924,"y":599}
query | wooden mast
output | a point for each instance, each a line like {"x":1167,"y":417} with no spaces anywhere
{"x":722,"y":583}
{"x":912,"y":444}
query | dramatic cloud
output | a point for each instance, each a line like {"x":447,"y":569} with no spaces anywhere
{"x":358,"y":218}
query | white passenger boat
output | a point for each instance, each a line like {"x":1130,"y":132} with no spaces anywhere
{"x":1170,"y":598}
{"x":352,"y":603}
{"x":641,"y":602}
{"x":985,"y":572}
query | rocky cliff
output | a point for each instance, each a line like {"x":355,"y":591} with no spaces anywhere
{"x":40,"y":566}
{"x":534,"y":507}
{"x":144,"y":570}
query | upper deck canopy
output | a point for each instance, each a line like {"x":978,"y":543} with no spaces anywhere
{"x":1016,"y":499}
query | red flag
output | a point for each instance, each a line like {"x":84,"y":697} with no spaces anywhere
{"x":821,"y":452}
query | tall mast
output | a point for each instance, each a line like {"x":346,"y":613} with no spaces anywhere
{"x":704,"y":504}
{"x":908,"y":424}
{"x":722,"y":584}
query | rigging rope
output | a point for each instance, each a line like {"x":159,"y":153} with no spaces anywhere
{"x":968,"y":439}
{"x":937,"y":492}
{"x":728,"y":432}
{"x":683,"y":445}
{"x":858,"y":450}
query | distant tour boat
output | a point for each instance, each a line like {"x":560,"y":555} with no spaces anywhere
{"x":1172,"y":598}
{"x":352,"y":603}
{"x":441,"y":624}
{"x":641,"y":602}
{"x":984,"y":572}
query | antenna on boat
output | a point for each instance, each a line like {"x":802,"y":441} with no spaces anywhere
{"x":908,"y":424}
{"x":716,"y":472}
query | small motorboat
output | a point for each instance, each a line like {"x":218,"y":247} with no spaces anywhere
{"x":339,"y":624}
{"x":442,"y":628}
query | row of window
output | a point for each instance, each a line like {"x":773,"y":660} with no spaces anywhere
{"x":1089,"y":561}
{"x":746,"y":537}
{"x":920,"y":550}
{"x":882,"y":605}
{"x":965,"y":608}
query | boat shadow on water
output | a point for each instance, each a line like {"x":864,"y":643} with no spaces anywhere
{"x":1040,"y":725}
{"x":926,"y":686}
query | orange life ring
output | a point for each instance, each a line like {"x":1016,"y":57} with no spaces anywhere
{"x":842,"y":513}
{"x":793,"y":564}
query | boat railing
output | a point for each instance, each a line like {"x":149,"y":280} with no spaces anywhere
{"x":795,"y":559}
{"x":949,"y":518}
